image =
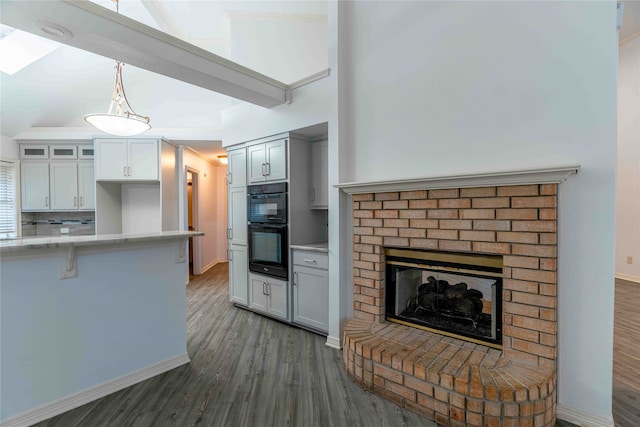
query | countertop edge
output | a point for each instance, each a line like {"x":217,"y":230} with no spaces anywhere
{"x":314,"y":247}
{"x":28,"y":244}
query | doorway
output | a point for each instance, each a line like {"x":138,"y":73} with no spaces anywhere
{"x":192,"y":219}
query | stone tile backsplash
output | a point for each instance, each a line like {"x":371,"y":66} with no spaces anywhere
{"x":51,"y":223}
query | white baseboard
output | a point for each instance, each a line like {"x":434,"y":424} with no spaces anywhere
{"x":211,"y":264}
{"x":628,"y":277}
{"x":333,"y":342}
{"x":67,"y":403}
{"x":583,"y":419}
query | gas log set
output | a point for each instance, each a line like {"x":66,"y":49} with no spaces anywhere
{"x":453,"y":301}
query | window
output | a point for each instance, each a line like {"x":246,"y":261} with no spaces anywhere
{"x":8,"y":214}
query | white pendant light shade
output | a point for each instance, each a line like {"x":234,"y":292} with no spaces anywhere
{"x":120,"y":120}
{"x":117,"y":125}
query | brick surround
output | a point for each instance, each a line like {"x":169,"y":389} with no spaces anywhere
{"x":446,"y":379}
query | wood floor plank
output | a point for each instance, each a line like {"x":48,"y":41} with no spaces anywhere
{"x":245,"y":370}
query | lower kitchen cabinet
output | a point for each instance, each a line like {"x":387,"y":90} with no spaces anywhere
{"x":268,"y":295}
{"x":238,"y":264}
{"x":311,"y":290}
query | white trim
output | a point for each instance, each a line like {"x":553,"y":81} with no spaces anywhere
{"x":333,"y":342}
{"x":628,"y":277}
{"x":309,"y":79}
{"x":584,"y":419}
{"x":211,"y":264}
{"x":72,"y":401}
{"x":553,"y":175}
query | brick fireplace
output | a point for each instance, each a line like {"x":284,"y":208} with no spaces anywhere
{"x":448,"y":379}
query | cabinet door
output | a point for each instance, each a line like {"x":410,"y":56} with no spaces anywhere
{"x":63,"y":184}
{"x":86,"y":186}
{"x":143,"y":159}
{"x":237,"y":168}
{"x":258,"y":293}
{"x":111,"y":159}
{"x":238,"y":267}
{"x":277,"y":298}
{"x":276,"y":157}
{"x":311,"y":297}
{"x":62,"y":152}
{"x":256,"y":163}
{"x":34,"y":185}
{"x":238,"y":216}
{"x":320,"y":175}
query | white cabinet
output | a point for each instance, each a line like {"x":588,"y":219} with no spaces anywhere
{"x":57,"y":185}
{"x":237,"y":227}
{"x":268,"y":295}
{"x":311,"y":289}
{"x":63,"y":185}
{"x":126,"y":159}
{"x":34,"y":151}
{"x":237,"y":232}
{"x":237,"y":168}
{"x":320,"y":174}
{"x":267,"y":161}
{"x":238,"y":274}
{"x":34,"y":185}
{"x":86,"y":186}
{"x":63,"y":152}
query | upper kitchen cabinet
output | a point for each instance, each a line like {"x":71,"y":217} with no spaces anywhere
{"x":34,"y":185}
{"x":237,"y":168}
{"x":267,"y":161}
{"x":320,"y":174}
{"x":126,"y":159}
{"x":63,"y":184}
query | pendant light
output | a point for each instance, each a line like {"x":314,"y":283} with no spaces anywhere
{"x":120,"y":119}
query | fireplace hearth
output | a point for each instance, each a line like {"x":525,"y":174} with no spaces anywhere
{"x":452,"y":294}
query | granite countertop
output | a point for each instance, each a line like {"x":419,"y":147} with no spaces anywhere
{"x":30,"y":243}
{"x":316,"y":247}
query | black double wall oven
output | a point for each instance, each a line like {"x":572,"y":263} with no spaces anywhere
{"x":267,"y":222}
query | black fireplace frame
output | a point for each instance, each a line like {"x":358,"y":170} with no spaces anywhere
{"x":476,"y":265}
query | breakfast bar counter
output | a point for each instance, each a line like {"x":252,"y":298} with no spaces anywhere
{"x":85,"y":316}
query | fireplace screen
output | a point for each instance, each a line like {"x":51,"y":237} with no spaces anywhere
{"x":454,"y":294}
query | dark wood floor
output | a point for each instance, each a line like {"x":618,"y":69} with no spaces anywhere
{"x":249,"y":370}
{"x":626,"y":355}
{"x":245,"y":370}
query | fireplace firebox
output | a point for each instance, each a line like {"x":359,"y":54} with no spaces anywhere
{"x":454,"y":294}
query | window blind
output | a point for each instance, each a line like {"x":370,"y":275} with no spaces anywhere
{"x":8,"y":217}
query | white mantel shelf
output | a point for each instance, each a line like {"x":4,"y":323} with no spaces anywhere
{"x":552,"y":175}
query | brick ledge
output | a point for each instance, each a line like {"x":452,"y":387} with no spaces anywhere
{"x":453,"y":382}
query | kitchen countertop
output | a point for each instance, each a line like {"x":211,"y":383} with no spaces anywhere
{"x":30,"y":243}
{"x":316,"y":247}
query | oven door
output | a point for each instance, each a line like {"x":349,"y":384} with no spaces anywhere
{"x":271,"y":208}
{"x":268,"y":249}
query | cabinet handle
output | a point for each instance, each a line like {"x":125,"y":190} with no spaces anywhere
{"x":46,"y":201}
{"x":229,"y":255}
{"x":268,"y":289}
{"x":268,"y":169}
{"x":264,"y":288}
{"x":263,"y":169}
{"x":229,"y":178}
{"x":81,"y":201}
{"x":311,"y":261}
{"x":128,"y":170}
{"x":295,"y":278}
{"x":75,"y":201}
{"x":124,"y":171}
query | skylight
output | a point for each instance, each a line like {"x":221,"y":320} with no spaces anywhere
{"x":19,"y":49}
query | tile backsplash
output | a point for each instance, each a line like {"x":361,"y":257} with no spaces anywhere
{"x":51,"y":223}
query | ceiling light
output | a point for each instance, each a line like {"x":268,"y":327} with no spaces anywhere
{"x":120,"y":119}
{"x":223,"y":159}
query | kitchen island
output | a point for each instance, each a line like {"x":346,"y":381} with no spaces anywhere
{"x":85,"y":316}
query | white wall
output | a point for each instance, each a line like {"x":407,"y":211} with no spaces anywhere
{"x":482,"y":86}
{"x":212,"y":210}
{"x":9,"y":148}
{"x":628,"y":167}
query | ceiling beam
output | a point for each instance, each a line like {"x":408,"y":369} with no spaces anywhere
{"x":93,"y":28}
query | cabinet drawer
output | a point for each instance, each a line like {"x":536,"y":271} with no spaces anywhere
{"x":310,"y":259}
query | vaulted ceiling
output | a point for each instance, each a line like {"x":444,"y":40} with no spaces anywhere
{"x":284,"y":40}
